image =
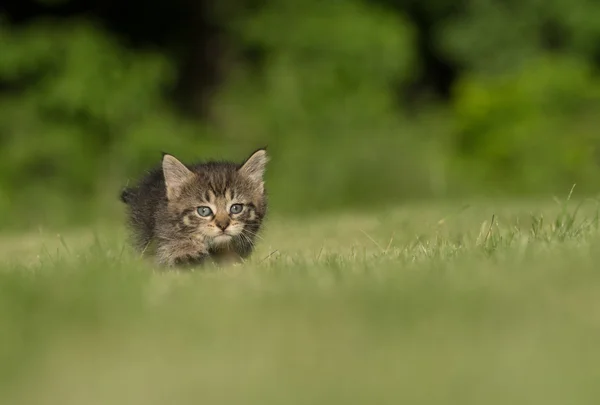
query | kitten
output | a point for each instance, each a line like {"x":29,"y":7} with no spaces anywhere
{"x":184,"y":214}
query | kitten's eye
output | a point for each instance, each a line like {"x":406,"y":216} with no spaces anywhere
{"x":204,"y":211}
{"x":236,"y":208}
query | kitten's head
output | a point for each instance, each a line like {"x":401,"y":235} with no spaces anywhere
{"x":219,"y":202}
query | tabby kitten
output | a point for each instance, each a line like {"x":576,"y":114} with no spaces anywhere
{"x":183,"y":215}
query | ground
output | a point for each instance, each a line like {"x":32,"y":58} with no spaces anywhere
{"x":460,"y":303}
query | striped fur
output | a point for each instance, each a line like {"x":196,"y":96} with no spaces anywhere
{"x":163,"y":210}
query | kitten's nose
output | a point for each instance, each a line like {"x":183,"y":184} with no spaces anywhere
{"x":222,"y":225}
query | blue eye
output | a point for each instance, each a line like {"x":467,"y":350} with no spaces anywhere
{"x":204,"y":211}
{"x":236,"y":208}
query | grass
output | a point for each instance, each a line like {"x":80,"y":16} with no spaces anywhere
{"x":495,"y":303}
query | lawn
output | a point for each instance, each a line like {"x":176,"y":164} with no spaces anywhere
{"x":483,"y":303}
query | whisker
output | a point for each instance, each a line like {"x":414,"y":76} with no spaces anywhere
{"x":251,"y":242}
{"x":246,"y":239}
{"x":253,"y":234}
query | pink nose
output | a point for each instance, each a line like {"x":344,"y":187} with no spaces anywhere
{"x":222,"y":225}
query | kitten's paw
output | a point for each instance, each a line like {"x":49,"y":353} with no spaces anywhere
{"x":190,"y":260}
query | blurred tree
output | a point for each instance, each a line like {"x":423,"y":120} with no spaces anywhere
{"x":494,"y":37}
{"x":533,"y":129}
{"x":72,"y":110}
{"x":88,"y":90}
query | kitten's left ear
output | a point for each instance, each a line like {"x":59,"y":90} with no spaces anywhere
{"x":254,"y":167}
{"x":176,"y":175}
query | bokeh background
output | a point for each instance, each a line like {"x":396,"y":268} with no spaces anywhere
{"x":361,"y":103}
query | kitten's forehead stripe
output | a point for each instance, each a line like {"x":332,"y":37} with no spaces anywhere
{"x":211,"y":196}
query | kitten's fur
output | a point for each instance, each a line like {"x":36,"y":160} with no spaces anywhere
{"x":163,"y":210}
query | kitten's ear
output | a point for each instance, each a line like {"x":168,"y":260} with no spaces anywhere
{"x":176,"y":175}
{"x":254,"y":167}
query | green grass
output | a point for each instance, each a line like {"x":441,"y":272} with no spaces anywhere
{"x":495,"y":303}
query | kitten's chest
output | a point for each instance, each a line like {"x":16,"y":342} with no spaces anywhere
{"x":224,"y":254}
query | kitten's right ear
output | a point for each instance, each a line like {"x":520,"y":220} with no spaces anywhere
{"x":176,"y":175}
{"x":254,"y":167}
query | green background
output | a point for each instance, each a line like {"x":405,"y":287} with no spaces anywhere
{"x":361,"y":103}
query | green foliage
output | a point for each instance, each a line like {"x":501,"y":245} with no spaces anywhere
{"x":328,"y":86}
{"x":323,"y":74}
{"x":323,"y":102}
{"x":79,"y":108}
{"x":530,"y":128}
{"x":495,"y":37}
